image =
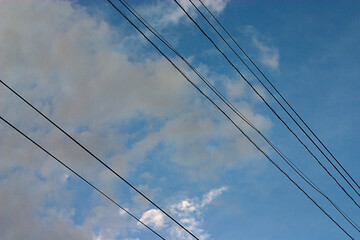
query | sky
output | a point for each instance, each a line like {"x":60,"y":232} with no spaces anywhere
{"x":84,"y":66}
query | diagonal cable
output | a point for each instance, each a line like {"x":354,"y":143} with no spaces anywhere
{"x":278,"y":92}
{"x":81,"y":177}
{"x":276,"y":99}
{"x":228,"y":117}
{"x":282,"y":171}
{"x":97,"y":158}
{"x":267,"y":104}
{"x":237,"y":112}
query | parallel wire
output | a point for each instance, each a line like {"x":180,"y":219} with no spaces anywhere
{"x":267,"y":104}
{"x":98,"y":159}
{"x":227,"y":116}
{"x":81,"y":177}
{"x":134,"y":187}
{"x":261,"y":82}
{"x":277,"y":91}
{"x":236,"y":111}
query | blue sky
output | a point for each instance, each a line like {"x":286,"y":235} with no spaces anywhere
{"x":85,"y":67}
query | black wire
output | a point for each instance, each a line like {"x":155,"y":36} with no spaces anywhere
{"x":94,"y":156}
{"x":283,"y":98}
{"x":267,"y":104}
{"x":227,"y":116}
{"x":232,"y":123}
{"x":82,"y":178}
{"x":236,"y":111}
{"x":274,"y":97}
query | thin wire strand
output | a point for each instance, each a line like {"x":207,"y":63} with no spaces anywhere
{"x":278,"y":92}
{"x":97,"y":158}
{"x":237,"y":112}
{"x":275,"y":98}
{"x":82,"y":178}
{"x":258,"y":148}
{"x":228,"y":117}
{"x":267,"y":104}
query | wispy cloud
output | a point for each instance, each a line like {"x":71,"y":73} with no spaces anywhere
{"x":188,"y":211}
{"x":72,"y":66}
{"x":163,"y":14}
{"x":269,"y":55}
{"x":210,"y":196}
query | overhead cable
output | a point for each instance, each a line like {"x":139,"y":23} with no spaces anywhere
{"x":81,"y":177}
{"x":275,"y":98}
{"x":267,"y":104}
{"x":97,"y":158}
{"x":236,"y":111}
{"x":277,"y":91}
{"x":227,"y":116}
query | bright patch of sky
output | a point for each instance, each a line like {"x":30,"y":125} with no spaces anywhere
{"x":85,"y":67}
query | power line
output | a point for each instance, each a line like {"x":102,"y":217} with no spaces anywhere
{"x":267,"y":104}
{"x":82,"y":178}
{"x":97,"y":158}
{"x":235,"y":110}
{"x":228,"y":117}
{"x":273,"y":96}
{"x":274,"y":163}
{"x":288,"y":161}
{"x":277,"y":91}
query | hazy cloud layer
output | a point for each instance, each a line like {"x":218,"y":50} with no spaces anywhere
{"x":71,"y":65}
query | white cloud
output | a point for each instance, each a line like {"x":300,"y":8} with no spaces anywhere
{"x":189,"y":212}
{"x":185,"y":206}
{"x":153,"y":217}
{"x":236,"y":90}
{"x":122,"y":212}
{"x":73,"y":67}
{"x":79,"y":76}
{"x":167,"y":13}
{"x":23,"y":204}
{"x":269,"y":55}
{"x":210,"y":196}
{"x":216,"y":5}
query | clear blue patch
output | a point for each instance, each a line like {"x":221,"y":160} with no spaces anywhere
{"x":16,"y":169}
{"x":81,"y":129}
{"x":82,"y":200}
{"x":137,"y":128}
{"x":40,"y":177}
